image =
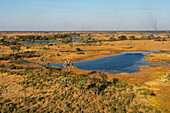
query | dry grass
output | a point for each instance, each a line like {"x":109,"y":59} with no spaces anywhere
{"x":152,"y":76}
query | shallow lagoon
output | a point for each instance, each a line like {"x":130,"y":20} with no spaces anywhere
{"x":127,"y":62}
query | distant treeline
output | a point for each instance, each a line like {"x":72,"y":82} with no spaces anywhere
{"x":14,"y":40}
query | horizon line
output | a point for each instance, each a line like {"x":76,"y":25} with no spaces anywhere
{"x":84,"y":30}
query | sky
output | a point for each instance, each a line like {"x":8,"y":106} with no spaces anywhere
{"x":84,"y":15}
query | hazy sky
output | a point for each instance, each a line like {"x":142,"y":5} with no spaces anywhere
{"x":32,"y":15}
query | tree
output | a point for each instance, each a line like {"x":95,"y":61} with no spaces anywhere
{"x":151,"y":36}
{"x":78,"y":49}
{"x":164,"y":39}
{"x":112,"y":38}
{"x":2,"y":40}
{"x":67,"y":64}
{"x":70,"y":44}
{"x":18,"y":48}
{"x":13,"y":47}
{"x":42,"y":59}
{"x":27,"y":47}
{"x":132,"y":38}
{"x":123,"y":37}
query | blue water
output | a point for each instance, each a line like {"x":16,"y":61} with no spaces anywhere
{"x":75,"y":39}
{"x":52,"y":42}
{"x":78,"y":39}
{"x":42,"y":42}
{"x":153,"y":51}
{"x":153,"y":34}
{"x":127,"y":62}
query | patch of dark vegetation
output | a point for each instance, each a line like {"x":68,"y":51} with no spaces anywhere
{"x":130,"y":47}
{"x":12,"y":66}
{"x":25,"y":54}
{"x":19,"y":61}
{"x":72,"y":93}
{"x":149,"y":92}
{"x":154,"y":65}
{"x":123,"y":37}
{"x":46,"y":48}
{"x":78,"y":49}
{"x":80,"y":53}
{"x":160,"y":39}
{"x":92,"y":72}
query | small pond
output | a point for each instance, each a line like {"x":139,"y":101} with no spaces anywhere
{"x":52,"y":42}
{"x":78,"y":39}
{"x":42,"y":42}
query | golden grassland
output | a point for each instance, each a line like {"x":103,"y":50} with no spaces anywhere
{"x":155,"y":77}
{"x":93,"y":52}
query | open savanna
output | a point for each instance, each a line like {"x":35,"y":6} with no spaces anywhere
{"x":37,"y":88}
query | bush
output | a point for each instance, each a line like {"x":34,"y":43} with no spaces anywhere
{"x":78,"y":49}
{"x":157,"y":111}
{"x":123,"y":37}
{"x":112,"y":39}
{"x":148,"y":92}
{"x":46,"y":48}
{"x":58,"y":55}
{"x":2,"y":65}
{"x":132,"y":38}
